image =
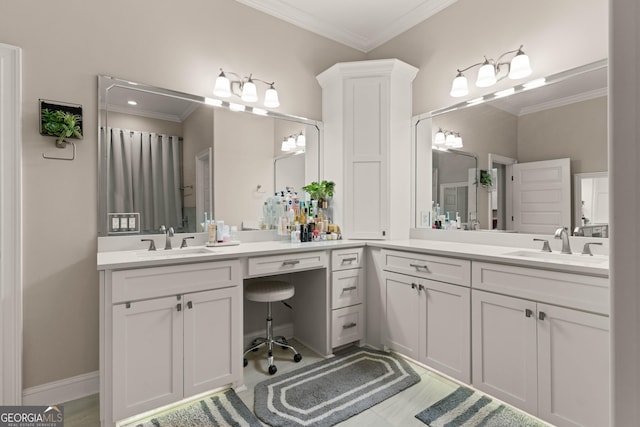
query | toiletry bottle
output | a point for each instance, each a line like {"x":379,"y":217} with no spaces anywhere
{"x":212,"y":232}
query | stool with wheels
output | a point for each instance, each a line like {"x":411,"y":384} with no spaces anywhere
{"x":270,"y":291}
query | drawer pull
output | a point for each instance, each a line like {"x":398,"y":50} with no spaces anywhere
{"x":542,"y":315}
{"x":349,"y":260}
{"x":418,"y":267}
{"x":190,"y":305}
{"x":291,"y":262}
{"x":350,"y":288}
{"x":528,"y":312}
{"x":349,"y":325}
{"x":179,"y":307}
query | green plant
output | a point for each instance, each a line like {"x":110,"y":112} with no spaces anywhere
{"x":486,"y":180}
{"x":321,"y":191}
{"x":61,"y":124}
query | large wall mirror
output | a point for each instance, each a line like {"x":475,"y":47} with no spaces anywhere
{"x":168,"y":158}
{"x":558,"y":127}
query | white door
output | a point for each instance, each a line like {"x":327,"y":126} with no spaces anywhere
{"x":504,"y":348}
{"x":212,"y":339}
{"x":10,"y":226}
{"x":402,"y":314}
{"x":446,"y":323}
{"x":573,"y":367}
{"x":147,"y":355}
{"x":542,"y":196}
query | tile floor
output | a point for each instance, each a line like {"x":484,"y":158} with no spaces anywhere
{"x":399,"y":410}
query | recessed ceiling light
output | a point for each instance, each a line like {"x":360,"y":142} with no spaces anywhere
{"x":132,"y":102}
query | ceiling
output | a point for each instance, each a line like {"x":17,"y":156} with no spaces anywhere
{"x":360,"y":24}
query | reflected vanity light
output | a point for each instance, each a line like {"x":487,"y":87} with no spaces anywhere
{"x":245,"y":87}
{"x":476,"y":101}
{"x":534,"y":84}
{"x":301,"y":141}
{"x":504,"y":93}
{"x":445,"y":139}
{"x":259,"y":111}
{"x":489,"y":72}
{"x":213,"y":101}
{"x":236,"y":107}
{"x":294,"y":142}
{"x":132,"y":102}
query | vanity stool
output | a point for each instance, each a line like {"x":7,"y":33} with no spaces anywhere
{"x":270,"y":291}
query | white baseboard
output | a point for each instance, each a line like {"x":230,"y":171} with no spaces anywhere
{"x":61,"y":391}
{"x":286,"y":330}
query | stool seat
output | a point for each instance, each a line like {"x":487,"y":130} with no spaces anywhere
{"x":269,"y":291}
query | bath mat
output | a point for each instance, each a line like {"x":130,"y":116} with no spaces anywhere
{"x":328,"y":392}
{"x":466,"y":408}
{"x":220,"y":409}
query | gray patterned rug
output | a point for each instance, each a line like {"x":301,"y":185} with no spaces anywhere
{"x":466,"y":408}
{"x":220,"y":409}
{"x":330,"y":391}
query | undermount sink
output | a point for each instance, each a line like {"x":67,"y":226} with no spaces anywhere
{"x":176,"y":252}
{"x":578,"y":259}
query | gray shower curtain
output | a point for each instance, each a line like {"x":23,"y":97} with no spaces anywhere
{"x":144,"y":177}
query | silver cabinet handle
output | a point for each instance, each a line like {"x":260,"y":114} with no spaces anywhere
{"x":291,"y":262}
{"x":542,"y":315}
{"x":349,"y":325}
{"x":350,"y":288}
{"x":418,"y":266}
{"x":528,"y":313}
{"x":351,"y":259}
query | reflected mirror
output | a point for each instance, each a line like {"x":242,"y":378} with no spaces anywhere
{"x":564,"y":118}
{"x":168,"y":158}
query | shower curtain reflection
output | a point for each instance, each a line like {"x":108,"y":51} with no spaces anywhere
{"x":145,"y":177}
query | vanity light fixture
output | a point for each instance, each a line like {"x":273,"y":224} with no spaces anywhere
{"x":245,"y":87}
{"x":447,"y":139}
{"x":489,"y":72}
{"x":301,"y":140}
{"x":294,"y":142}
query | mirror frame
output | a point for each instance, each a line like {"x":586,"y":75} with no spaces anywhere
{"x":106,"y":82}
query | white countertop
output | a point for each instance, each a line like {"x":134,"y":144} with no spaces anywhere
{"x":597,"y":265}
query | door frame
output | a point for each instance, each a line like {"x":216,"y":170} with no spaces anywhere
{"x":10,"y":225}
{"x":507,"y":161}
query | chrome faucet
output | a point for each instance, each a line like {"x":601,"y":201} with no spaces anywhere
{"x":563,"y":233}
{"x":168,"y":235}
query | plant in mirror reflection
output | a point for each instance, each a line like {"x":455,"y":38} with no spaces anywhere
{"x":320,"y":191}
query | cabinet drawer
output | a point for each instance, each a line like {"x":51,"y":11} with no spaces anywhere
{"x":347,"y":325}
{"x":154,"y":282}
{"x":347,"y":288}
{"x":277,"y":264}
{"x":343,"y":259}
{"x":443,"y":269}
{"x":570,"y":290}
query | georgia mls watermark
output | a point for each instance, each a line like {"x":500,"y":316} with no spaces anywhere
{"x":32,"y":416}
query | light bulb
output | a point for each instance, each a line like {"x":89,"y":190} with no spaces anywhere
{"x":271,"y":98}
{"x":249,"y":91}
{"x":519,"y":67}
{"x":301,"y":141}
{"x":439,"y":139}
{"x":486,"y":75}
{"x":223,"y":86}
{"x":459,"y":87}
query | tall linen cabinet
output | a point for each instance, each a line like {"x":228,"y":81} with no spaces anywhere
{"x":366,"y":110}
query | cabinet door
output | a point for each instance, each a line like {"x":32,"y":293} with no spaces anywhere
{"x":573,"y":367}
{"x":402,"y":314}
{"x":446,"y":342}
{"x":504,"y":348}
{"x":212,"y":339}
{"x":366,"y":136}
{"x":147,"y":355}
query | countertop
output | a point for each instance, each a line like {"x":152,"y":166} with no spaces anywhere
{"x":597,"y":265}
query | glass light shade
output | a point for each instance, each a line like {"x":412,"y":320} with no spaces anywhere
{"x":301,"y":141}
{"x":519,"y":67}
{"x":249,"y":92}
{"x":486,"y":75}
{"x":458,"y":142}
{"x":439,"y":139}
{"x":450,"y":140}
{"x":271,"y":98}
{"x":222,"y":87}
{"x":291,"y":143}
{"x":459,"y":87}
{"x":285,"y":145}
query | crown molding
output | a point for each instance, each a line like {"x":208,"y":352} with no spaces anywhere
{"x":585,"y":96}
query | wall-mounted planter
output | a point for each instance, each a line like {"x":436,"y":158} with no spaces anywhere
{"x":61,"y":120}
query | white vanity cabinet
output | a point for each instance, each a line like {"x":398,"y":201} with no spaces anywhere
{"x":176,"y":331}
{"x":548,"y":360}
{"x":427,"y":310}
{"x":347,"y":296}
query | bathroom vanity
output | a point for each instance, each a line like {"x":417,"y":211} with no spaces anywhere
{"x":527,"y":327}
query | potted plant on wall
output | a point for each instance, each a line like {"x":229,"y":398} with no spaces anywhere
{"x":61,"y":124}
{"x":486,"y":179}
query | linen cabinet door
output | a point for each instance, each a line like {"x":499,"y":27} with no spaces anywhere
{"x":147,"y":355}
{"x":212,"y":339}
{"x":573,"y":367}
{"x":402,"y":314}
{"x":446,"y":343}
{"x":504,"y":348}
